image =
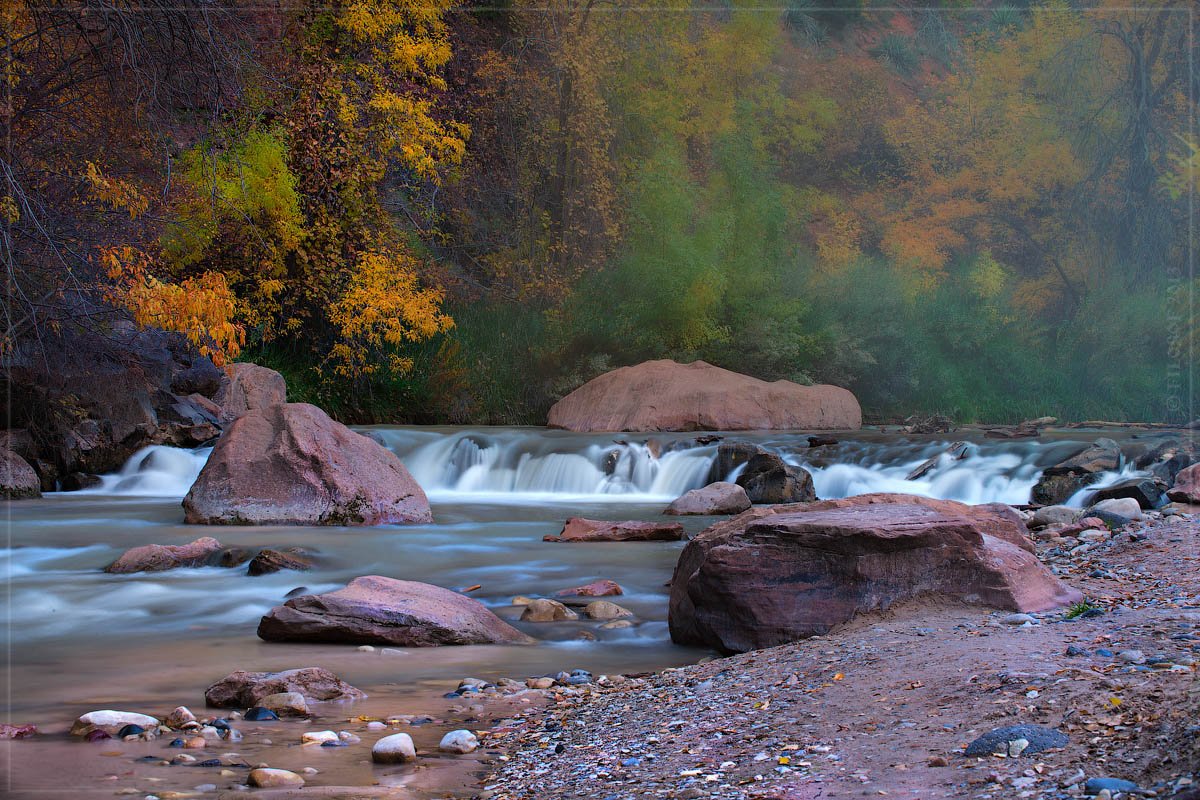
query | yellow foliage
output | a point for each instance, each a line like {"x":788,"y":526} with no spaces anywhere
{"x":120,"y":195}
{"x":383,"y":306}
{"x":201,"y":308}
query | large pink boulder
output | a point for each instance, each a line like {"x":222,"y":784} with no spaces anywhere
{"x":246,"y":387}
{"x":668,"y":396}
{"x":160,"y":557}
{"x":781,"y":573}
{"x":378,"y":610}
{"x":579,"y":529}
{"x":1186,"y":488}
{"x":293,"y":465}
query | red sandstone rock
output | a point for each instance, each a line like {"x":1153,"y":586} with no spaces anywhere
{"x":773,"y":575}
{"x":293,"y":465}
{"x":598,"y":589}
{"x":716,"y":498}
{"x":247,"y":387}
{"x":243,"y":689}
{"x":378,"y":610}
{"x":667,"y":396}
{"x":161,"y":557}
{"x":578,"y":529}
{"x":1187,"y":485}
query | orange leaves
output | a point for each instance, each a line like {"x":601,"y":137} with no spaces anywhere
{"x":118,"y":194}
{"x":201,"y":308}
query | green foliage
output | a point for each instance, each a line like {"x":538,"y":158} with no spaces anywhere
{"x":899,"y":52}
{"x":1078,"y":609}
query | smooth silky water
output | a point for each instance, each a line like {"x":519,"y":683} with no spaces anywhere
{"x":80,"y":639}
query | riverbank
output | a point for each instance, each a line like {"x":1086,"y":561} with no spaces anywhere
{"x":885,"y":705}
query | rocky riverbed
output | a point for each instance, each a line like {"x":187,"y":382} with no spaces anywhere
{"x":886,"y":705}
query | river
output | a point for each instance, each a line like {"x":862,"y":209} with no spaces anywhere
{"x":80,"y":639}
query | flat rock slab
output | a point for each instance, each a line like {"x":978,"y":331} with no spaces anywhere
{"x":1039,"y":737}
{"x":293,"y":465}
{"x":578,"y":529}
{"x":774,"y":575}
{"x":668,"y":396}
{"x":161,"y":557}
{"x":243,"y":689}
{"x":378,"y":610}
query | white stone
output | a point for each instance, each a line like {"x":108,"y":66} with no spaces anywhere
{"x":394,"y":749}
{"x":266,"y":778}
{"x":110,"y":721}
{"x":348,"y":737}
{"x":461,"y":741}
{"x":1053,"y":515}
{"x":318,"y":737}
{"x":376,"y":726}
{"x":1125,"y":506}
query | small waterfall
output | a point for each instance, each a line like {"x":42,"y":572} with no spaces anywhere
{"x":156,"y":471}
{"x":529,"y":465}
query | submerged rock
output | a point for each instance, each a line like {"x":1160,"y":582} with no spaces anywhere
{"x":604,"y":610}
{"x":604,"y":588}
{"x":1064,"y":479}
{"x":780,"y":573}
{"x":291,"y":464}
{"x":716,"y":498}
{"x":378,"y":610}
{"x":269,"y":560}
{"x":578,"y":529}
{"x":666,"y":396}
{"x":161,"y":557}
{"x":265,"y":778}
{"x":546,"y":610}
{"x":243,"y":689}
{"x":8,"y":731}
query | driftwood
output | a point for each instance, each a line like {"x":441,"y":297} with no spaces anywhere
{"x":1028,"y":428}
{"x":958,"y":451}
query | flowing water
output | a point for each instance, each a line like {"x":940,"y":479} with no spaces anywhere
{"x":81,"y":639}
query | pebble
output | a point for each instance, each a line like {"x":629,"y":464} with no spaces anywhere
{"x":546,"y":610}
{"x":1132,"y":656}
{"x":376,"y":725}
{"x":1104,"y":652}
{"x":460,"y":741}
{"x":539,"y":683}
{"x":1017,"y":619}
{"x":617,"y":624}
{"x":348,"y":737}
{"x":179,"y":717}
{"x":366,"y":648}
{"x":1073,"y":650}
{"x":267,"y":778}
{"x":260,"y":714}
{"x":394,"y":749}
{"x":110,"y":721}
{"x":604,"y":610}
{"x":318,"y":737}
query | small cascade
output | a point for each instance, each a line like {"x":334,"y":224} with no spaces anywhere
{"x":530,"y":465}
{"x":156,"y":471}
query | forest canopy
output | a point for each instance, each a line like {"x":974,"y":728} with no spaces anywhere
{"x":458,"y":213}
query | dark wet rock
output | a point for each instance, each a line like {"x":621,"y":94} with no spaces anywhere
{"x":268,"y":561}
{"x":1143,"y":490}
{"x":97,"y":735}
{"x":1110,"y":520}
{"x":1095,"y":786}
{"x":379,"y":610}
{"x":230,"y":557}
{"x":243,"y":689}
{"x":578,"y":529}
{"x":780,"y":573}
{"x":767,"y":478}
{"x":1062,"y":480}
{"x":17,"y":479}
{"x":1074,"y":650}
{"x":1039,"y":738}
{"x":202,"y":378}
{"x":292,"y":464}
{"x":130,"y":730}
{"x":160,"y":557}
{"x":299,"y":590}
{"x":730,"y":456}
{"x":714,"y":499}
{"x":78,"y":481}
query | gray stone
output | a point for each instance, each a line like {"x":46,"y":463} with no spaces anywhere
{"x":1039,"y":738}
